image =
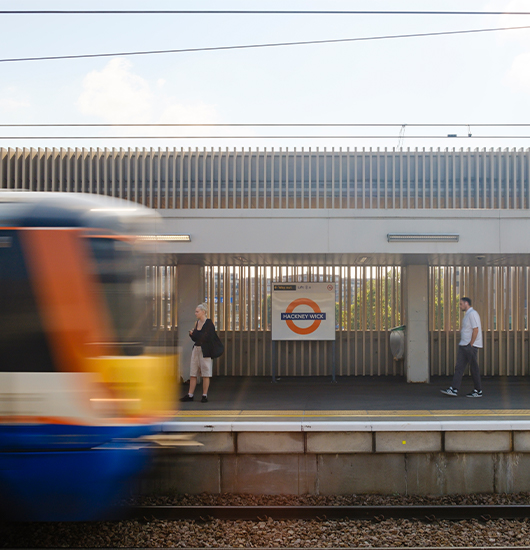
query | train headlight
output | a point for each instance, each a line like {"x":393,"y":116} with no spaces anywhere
{"x":106,"y":404}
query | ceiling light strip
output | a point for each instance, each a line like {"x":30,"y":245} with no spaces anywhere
{"x":423,"y":237}
{"x":164,"y":238}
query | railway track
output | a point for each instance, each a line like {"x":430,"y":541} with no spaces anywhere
{"x":377,"y":513}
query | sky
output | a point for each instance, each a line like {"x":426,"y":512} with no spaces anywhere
{"x":480,"y":78}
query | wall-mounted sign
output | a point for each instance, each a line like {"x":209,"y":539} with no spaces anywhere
{"x":303,"y":311}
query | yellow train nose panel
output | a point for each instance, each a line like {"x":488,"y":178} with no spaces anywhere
{"x":143,"y":385}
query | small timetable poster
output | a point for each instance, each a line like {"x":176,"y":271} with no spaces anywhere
{"x":303,"y":311}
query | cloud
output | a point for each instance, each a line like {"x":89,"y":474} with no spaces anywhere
{"x":115,"y":94}
{"x":518,"y":77}
{"x":506,"y":20}
{"x":11,"y":100}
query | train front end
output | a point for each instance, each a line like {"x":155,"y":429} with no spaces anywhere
{"x":80,"y":381}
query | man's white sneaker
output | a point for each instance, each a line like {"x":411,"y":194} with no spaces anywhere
{"x":475,"y":393}
{"x":450,"y":391}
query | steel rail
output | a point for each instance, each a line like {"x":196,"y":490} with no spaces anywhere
{"x":379,"y":513}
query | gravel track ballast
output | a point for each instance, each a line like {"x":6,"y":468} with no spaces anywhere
{"x":280,"y":534}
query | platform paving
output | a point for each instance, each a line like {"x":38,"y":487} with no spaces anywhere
{"x":356,"y":398}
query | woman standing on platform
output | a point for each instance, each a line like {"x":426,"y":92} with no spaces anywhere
{"x":201,"y":357}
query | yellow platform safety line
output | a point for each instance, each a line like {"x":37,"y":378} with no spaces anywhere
{"x":350,"y":413}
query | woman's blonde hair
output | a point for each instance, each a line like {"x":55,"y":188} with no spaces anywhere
{"x":204,"y":307}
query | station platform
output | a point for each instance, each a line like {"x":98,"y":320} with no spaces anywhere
{"x":358,"y":435}
{"x":374,"y":399}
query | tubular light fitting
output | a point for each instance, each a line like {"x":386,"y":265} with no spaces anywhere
{"x":164,"y":238}
{"x":423,"y":237}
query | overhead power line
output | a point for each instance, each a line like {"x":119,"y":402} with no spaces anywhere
{"x":256,"y":12}
{"x":265,"y":45}
{"x":449,"y":136}
{"x":262,"y":125}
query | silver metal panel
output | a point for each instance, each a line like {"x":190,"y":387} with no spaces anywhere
{"x":358,"y":179}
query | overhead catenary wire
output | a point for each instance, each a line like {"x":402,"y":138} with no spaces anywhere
{"x":262,"y":45}
{"x":257,"y":12}
{"x":258,"y":124}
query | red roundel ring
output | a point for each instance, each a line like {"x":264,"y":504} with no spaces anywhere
{"x":303,"y":302}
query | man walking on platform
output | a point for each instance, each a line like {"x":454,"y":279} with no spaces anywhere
{"x":470,"y":342}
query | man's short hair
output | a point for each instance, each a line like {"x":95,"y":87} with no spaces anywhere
{"x":465,"y":299}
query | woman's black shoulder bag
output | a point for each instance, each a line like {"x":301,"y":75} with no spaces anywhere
{"x":218,"y":347}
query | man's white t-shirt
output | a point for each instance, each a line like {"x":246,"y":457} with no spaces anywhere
{"x":470,"y":321}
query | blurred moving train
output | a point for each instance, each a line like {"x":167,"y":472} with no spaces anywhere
{"x":77,"y":384}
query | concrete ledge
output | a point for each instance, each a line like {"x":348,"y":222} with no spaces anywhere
{"x":301,"y":457}
{"x":309,"y":425}
{"x":486,"y":442}
{"x":339,"y":442}
{"x":408,"y":442}
{"x":267,"y":443}
{"x":521,"y":442}
{"x":215,"y":443}
{"x":354,"y":437}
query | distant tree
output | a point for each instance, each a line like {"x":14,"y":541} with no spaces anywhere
{"x":370,"y":311}
{"x":444,"y":313}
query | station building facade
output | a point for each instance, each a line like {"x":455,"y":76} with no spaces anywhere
{"x":403,"y":234}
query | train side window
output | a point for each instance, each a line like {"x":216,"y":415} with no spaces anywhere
{"x":119,"y":270}
{"x":23,"y":342}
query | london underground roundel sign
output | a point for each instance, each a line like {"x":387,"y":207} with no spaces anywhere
{"x":289,"y":316}
{"x":303,"y":311}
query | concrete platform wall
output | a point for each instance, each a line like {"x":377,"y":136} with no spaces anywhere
{"x":326,"y":463}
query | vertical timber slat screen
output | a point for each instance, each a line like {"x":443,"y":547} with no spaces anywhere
{"x":271,"y":179}
{"x":160,"y":285}
{"x":368,"y":305}
{"x":500,"y":296}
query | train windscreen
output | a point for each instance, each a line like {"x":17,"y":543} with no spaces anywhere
{"x":119,"y":268}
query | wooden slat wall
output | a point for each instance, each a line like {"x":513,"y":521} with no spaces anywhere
{"x":368,"y":304}
{"x":500,"y":296}
{"x":160,"y":290}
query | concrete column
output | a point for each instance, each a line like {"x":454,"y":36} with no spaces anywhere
{"x":417,"y":321}
{"x":190,"y":293}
